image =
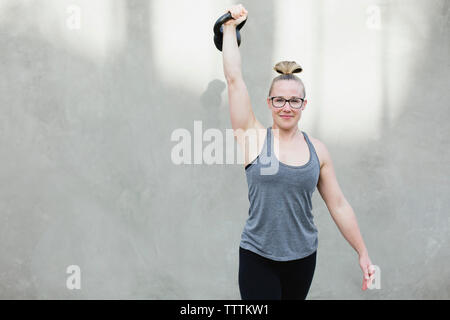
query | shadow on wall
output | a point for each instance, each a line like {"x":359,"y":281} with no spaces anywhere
{"x":398,"y":185}
{"x":85,"y":154}
{"x":212,"y":95}
{"x":410,"y":167}
{"x":86,"y":158}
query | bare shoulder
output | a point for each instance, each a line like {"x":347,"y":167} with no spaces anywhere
{"x":321,"y":150}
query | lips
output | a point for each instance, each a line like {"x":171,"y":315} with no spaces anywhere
{"x":285,"y":116}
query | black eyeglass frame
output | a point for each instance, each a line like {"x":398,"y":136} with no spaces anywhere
{"x":286,"y":100}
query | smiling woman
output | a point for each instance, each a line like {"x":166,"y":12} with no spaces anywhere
{"x":277,"y":251}
{"x":284,"y":86}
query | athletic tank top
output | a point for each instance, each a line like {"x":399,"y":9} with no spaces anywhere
{"x":280,"y":224}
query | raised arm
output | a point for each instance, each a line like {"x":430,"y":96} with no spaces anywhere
{"x":242,"y":116}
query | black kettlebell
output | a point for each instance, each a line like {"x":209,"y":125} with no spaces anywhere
{"x":218,"y":30}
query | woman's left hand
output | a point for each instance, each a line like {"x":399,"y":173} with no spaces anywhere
{"x":367,"y":269}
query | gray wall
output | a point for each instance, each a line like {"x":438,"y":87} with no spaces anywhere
{"x":86,"y":117}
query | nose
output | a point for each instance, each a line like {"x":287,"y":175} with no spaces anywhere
{"x":286,"y":107}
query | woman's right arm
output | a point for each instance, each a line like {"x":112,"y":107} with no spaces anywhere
{"x":242,"y":116}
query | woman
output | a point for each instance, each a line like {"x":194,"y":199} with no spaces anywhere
{"x":277,"y":252}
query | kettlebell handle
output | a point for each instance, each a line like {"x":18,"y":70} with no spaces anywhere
{"x":224,"y":18}
{"x":218,"y":30}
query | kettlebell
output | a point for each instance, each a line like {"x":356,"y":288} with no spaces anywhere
{"x":218,"y":30}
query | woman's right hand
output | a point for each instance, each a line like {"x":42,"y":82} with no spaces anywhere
{"x":239,"y":14}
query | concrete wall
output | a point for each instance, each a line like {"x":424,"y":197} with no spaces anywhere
{"x":88,"y":107}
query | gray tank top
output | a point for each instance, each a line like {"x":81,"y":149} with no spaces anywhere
{"x":280,"y":224}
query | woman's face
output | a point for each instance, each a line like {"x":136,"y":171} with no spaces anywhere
{"x":286,"y":117}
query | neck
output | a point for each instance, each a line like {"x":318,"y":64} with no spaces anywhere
{"x":285,"y":134}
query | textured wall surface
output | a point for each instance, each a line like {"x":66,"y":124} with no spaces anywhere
{"x":91,"y":92}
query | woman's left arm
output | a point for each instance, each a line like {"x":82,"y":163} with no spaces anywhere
{"x":341,"y":211}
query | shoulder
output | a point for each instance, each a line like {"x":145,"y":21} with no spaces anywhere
{"x":321,"y":150}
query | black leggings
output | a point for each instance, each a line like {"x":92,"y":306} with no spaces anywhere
{"x":261,"y":278}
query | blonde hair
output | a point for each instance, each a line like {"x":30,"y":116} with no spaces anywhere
{"x":287,"y":70}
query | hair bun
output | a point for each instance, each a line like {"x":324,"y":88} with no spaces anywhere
{"x":287,"y":67}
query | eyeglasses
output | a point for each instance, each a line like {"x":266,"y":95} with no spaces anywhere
{"x":294,"y":102}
